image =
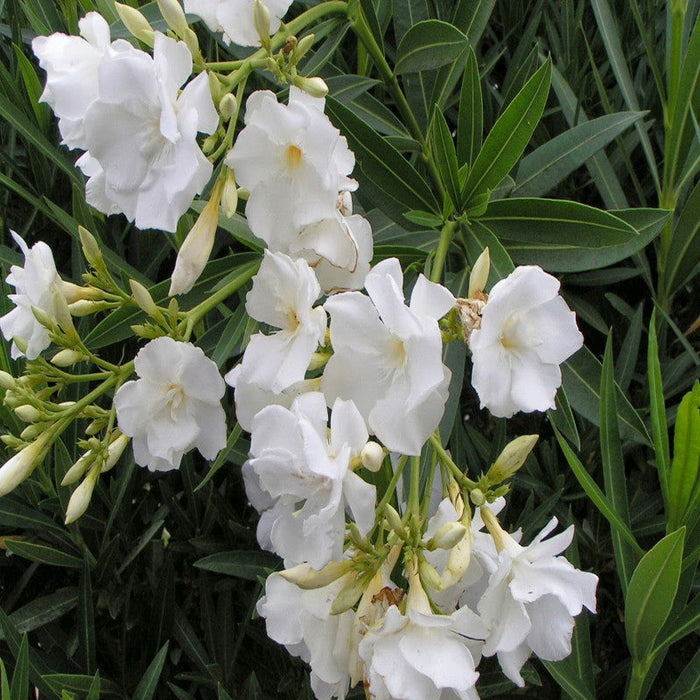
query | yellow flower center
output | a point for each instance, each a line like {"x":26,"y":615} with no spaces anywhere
{"x":294,"y":157}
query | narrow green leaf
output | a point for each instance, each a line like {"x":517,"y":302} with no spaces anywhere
{"x":594,"y":492}
{"x":687,"y":681}
{"x":4,"y":683}
{"x":148,"y":684}
{"x":472,"y":17}
{"x":657,"y":411}
{"x":19,"y":689}
{"x":94,"y":693}
{"x":34,"y":89}
{"x":240,"y":564}
{"x":509,"y":136}
{"x":547,"y":166}
{"x":582,"y":375}
{"x":86,"y":620}
{"x":372,"y":22}
{"x":381,"y":163}
{"x":445,"y":155}
{"x":684,"y":252}
{"x":43,"y":554}
{"x":14,"y":514}
{"x":563,"y":418}
{"x":428,"y":45}
{"x":683,"y":475}
{"x":686,"y":622}
{"x":629,"y":352}
{"x":76,"y":683}
{"x":470,"y":127}
{"x":614,"y":466}
{"x":406,"y":13}
{"x":651,"y":593}
{"x":43,"y":610}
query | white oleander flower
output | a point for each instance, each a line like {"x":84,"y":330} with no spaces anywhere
{"x":301,"y":620}
{"x":71,"y":64}
{"x":532,"y":598}
{"x":418,"y":655}
{"x":34,"y":285}
{"x":235,"y":18}
{"x":293,"y":162}
{"x":388,"y":356}
{"x":282,"y":295}
{"x":301,"y":480}
{"x":174,"y":406}
{"x":527,"y":331}
{"x":140,"y":133}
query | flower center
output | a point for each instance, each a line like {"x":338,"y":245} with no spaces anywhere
{"x":397,"y":353}
{"x":294,"y":157}
{"x":175,"y":397}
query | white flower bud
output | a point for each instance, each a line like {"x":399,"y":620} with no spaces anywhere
{"x":7,"y":381}
{"x":316,"y":87}
{"x":174,"y":16}
{"x":261,"y":21}
{"x":229,"y":198}
{"x":372,"y":456}
{"x":144,"y":299}
{"x":78,"y":469}
{"x":194,"y":252}
{"x":74,"y":292}
{"x":458,"y":562}
{"x":429,"y":576}
{"x":350,"y":594}
{"x":28,"y":413}
{"x":85,"y":307}
{"x":308,"y":578}
{"x":511,"y":459}
{"x":63,"y":314}
{"x":447,"y":536}
{"x":80,"y":499}
{"x":136,"y":23}
{"x":228,"y":106}
{"x":32,"y":432}
{"x":480,"y":273}
{"x":303,"y":45}
{"x":115,"y":451}
{"x":67,"y":358}
{"x":44,"y":319}
{"x":394,"y":520}
{"x":91,"y":249}
{"x":21,"y":465}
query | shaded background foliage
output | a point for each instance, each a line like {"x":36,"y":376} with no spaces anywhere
{"x":152,"y":593}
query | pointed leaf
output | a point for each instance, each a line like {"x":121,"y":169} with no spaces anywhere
{"x":427,"y":45}
{"x":240,"y":564}
{"x":19,"y":689}
{"x":148,"y":684}
{"x":470,"y":128}
{"x":445,"y":155}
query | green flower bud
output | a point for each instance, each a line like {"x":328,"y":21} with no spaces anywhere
{"x":511,"y":459}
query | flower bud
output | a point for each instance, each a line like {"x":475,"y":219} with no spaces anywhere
{"x":458,"y":562}
{"x":91,"y":249}
{"x":372,"y":456}
{"x":21,"y":465}
{"x":136,"y":23}
{"x":194,"y":252}
{"x":32,"y":431}
{"x":303,"y":45}
{"x":115,"y":451}
{"x":11,"y":441}
{"x":316,"y":87}
{"x":350,"y":593}
{"x":306,"y":577}
{"x":21,"y":344}
{"x":13,"y":399}
{"x":229,"y":197}
{"x":80,"y":498}
{"x":228,"y":106}
{"x":261,"y":21}
{"x":44,"y":319}
{"x":174,"y":16}
{"x":28,"y":413}
{"x":95,"y":426}
{"x":511,"y":459}
{"x":447,"y":536}
{"x":63,"y":314}
{"x":74,"y":292}
{"x":477,"y":497}
{"x":85,"y":307}
{"x":7,"y":381}
{"x":144,"y":299}
{"x":78,"y":469}
{"x":67,"y":358}
{"x":192,"y":43}
{"x":429,"y":576}
{"x":394,"y":520}
{"x":480,"y":273}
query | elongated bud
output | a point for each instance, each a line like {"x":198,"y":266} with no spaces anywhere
{"x":28,"y":413}
{"x":308,"y":578}
{"x":192,"y":42}
{"x":114,"y":452}
{"x":480,"y":273}
{"x":136,"y":23}
{"x":417,"y":599}
{"x":316,"y":87}
{"x":458,"y":562}
{"x":91,"y":249}
{"x":174,"y":16}
{"x":228,"y":106}
{"x":350,"y":593}
{"x":394,"y":520}
{"x":74,"y":292}
{"x":144,"y":299}
{"x":63,"y":313}
{"x":447,"y":536}
{"x":303,"y":45}
{"x":21,"y":465}
{"x":195,"y":251}
{"x":511,"y":459}
{"x":44,"y":319}
{"x":372,"y":456}
{"x":78,"y":469}
{"x":84,"y":307}
{"x":261,"y":21}
{"x":67,"y":358}
{"x":229,"y":197}
{"x":80,"y":498}
{"x":7,"y":381}
{"x":32,"y":432}
{"x":11,"y":441}
{"x":429,"y":575}
{"x":454,"y":491}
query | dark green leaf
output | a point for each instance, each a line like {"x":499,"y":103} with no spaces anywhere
{"x":86,"y":620}
{"x":470,"y":128}
{"x":19,"y":689}
{"x":43,"y":554}
{"x":445,"y":155}
{"x":43,"y":610}
{"x":148,"y":684}
{"x":372,"y":22}
{"x":472,"y":17}
{"x":81,"y":684}
{"x":427,"y":45}
{"x":240,"y":564}
{"x":94,"y":693}
{"x":684,"y":252}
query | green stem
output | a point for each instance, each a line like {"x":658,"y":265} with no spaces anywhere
{"x":391,"y":488}
{"x":446,"y":235}
{"x":414,"y":492}
{"x":197,"y":312}
{"x":639,"y":674}
{"x":447,"y":461}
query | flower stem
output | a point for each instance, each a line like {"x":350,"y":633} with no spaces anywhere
{"x":463,"y":480}
{"x":448,"y":231}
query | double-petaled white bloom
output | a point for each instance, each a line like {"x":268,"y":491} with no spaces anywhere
{"x":283,"y":294}
{"x":235,"y":18}
{"x":527,"y":331}
{"x":532,"y":598}
{"x":418,"y":655}
{"x":301,"y":620}
{"x":140,"y":133}
{"x":302,"y":480}
{"x":293,"y":162}
{"x":35,"y":285}
{"x":71,"y":64}
{"x":174,"y":406}
{"x":388,"y":356}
